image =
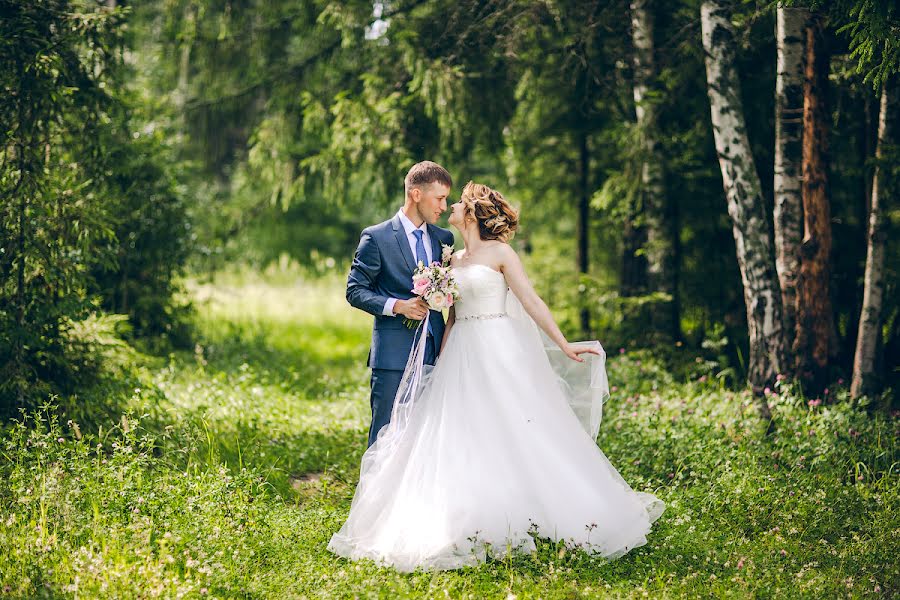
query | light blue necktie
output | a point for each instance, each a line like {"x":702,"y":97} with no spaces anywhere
{"x":421,"y":257}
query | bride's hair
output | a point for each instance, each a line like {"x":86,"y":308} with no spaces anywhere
{"x":496,"y":218}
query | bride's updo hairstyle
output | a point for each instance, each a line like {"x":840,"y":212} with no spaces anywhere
{"x":496,"y":218}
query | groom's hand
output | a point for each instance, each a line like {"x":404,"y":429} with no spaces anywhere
{"x":414,"y":308}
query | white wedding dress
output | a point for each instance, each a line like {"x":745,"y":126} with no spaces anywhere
{"x":488,"y":450}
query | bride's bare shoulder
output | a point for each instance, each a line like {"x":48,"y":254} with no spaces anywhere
{"x":505,"y":252}
{"x":505,"y":255}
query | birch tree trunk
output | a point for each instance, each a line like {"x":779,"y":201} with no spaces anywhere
{"x":815,"y":321}
{"x":184,"y":61}
{"x":865,"y":380}
{"x":788,"y":211}
{"x":660,"y":248}
{"x":746,"y":205}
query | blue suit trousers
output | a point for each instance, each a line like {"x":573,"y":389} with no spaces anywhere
{"x":384,"y":388}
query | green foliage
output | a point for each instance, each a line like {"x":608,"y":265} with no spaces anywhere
{"x":58,"y":58}
{"x":235,"y":463}
{"x":258,"y":130}
{"x":872,"y":28}
{"x":90,"y":217}
{"x":152,"y":239}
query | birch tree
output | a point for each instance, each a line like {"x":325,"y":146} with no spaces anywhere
{"x":788,"y":212}
{"x":660,"y":251}
{"x":864,"y":360}
{"x":746,"y":205}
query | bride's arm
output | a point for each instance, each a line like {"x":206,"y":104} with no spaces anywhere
{"x":451,"y":319}
{"x":521,"y":286}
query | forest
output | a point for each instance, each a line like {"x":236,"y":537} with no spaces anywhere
{"x":708,"y":187}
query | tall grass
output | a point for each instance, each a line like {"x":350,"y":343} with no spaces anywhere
{"x":235,"y":463}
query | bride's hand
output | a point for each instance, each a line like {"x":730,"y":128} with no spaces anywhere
{"x":573,"y":351}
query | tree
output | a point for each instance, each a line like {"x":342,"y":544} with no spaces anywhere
{"x":584,"y":220}
{"x":660,"y":253}
{"x":865,"y":380}
{"x":746,"y":205}
{"x":815,"y":322}
{"x":788,"y":212}
{"x":58,"y":60}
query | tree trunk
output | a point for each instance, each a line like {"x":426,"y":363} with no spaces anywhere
{"x":788,"y":158}
{"x":659,"y":248}
{"x":584,"y":216}
{"x":184,"y":62}
{"x":634,"y":263}
{"x":865,"y":380}
{"x":19,"y":348}
{"x":746,"y":206}
{"x":815,"y":321}
{"x":867,"y":142}
{"x":866,"y":138}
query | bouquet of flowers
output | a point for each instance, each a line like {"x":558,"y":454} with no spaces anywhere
{"x":435,"y":284}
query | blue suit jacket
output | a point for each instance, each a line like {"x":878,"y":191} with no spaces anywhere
{"x":382,"y":268}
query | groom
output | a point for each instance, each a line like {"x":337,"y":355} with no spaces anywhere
{"x":380,"y":283}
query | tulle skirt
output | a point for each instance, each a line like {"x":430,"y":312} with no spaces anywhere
{"x":491,"y":455}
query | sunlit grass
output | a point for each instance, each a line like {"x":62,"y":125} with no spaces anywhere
{"x":238,"y":461}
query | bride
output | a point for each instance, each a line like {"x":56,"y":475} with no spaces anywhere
{"x":496,"y":444}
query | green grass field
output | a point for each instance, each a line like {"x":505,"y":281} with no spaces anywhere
{"x":236,"y":462}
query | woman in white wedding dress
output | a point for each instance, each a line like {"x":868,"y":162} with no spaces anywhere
{"x":487,"y":450}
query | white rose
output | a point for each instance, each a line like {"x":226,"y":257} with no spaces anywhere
{"x":438,"y":301}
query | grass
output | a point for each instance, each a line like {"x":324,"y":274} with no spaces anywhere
{"x":236,"y":462}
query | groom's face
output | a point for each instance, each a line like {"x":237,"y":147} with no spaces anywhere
{"x":431,"y":200}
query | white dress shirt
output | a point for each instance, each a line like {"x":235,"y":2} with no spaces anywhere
{"x":409,"y":227}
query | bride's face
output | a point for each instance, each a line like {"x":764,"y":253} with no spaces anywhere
{"x":456,"y":215}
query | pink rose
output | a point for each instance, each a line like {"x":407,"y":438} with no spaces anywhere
{"x":419,"y":286}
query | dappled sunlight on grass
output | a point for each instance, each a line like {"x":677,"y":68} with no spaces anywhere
{"x":278,"y":378}
{"x":250,"y":298}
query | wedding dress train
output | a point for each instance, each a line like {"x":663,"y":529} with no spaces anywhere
{"x":486,"y":452}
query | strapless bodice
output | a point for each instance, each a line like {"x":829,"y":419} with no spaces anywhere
{"x":482,"y":292}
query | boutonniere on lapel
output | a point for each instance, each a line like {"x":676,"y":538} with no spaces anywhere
{"x":435,"y":284}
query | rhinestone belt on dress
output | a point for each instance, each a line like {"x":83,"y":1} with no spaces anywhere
{"x":484,"y":316}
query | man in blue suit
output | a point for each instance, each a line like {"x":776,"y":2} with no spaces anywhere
{"x":380,"y":283}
